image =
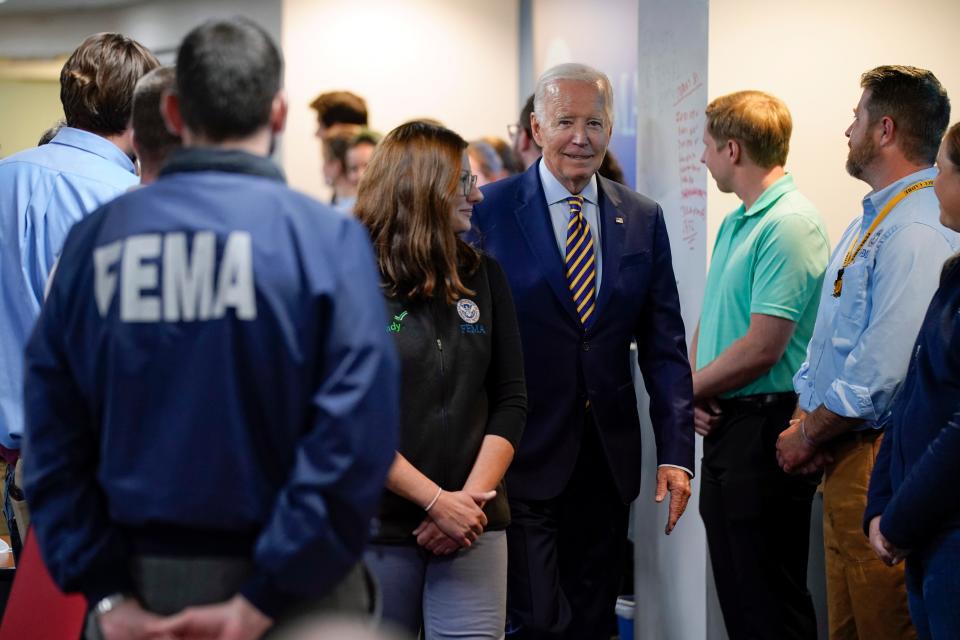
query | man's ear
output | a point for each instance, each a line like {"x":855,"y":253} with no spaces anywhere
{"x":733,"y":150}
{"x":888,"y":130}
{"x":278,"y":112}
{"x":170,"y":110}
{"x":535,"y":129}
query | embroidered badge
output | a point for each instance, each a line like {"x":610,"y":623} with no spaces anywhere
{"x":468,"y":310}
{"x":395,"y":326}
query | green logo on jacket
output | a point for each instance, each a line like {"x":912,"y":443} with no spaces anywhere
{"x":395,"y":326}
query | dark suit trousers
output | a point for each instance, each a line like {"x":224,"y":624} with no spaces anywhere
{"x":566,"y":554}
{"x":758,"y":523}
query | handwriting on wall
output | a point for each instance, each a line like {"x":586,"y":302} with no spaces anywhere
{"x":693,"y":196}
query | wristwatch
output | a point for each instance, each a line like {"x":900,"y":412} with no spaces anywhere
{"x":109,"y":603}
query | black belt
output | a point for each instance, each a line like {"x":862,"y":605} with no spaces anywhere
{"x":759,"y":401}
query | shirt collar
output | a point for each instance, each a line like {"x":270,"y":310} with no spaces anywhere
{"x":229,"y":161}
{"x":874,"y":201}
{"x":92,"y":143}
{"x":556,"y":192}
{"x":769,"y":196}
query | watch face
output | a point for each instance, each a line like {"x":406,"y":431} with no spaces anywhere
{"x":109,"y":603}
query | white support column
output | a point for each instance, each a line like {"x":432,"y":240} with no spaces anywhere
{"x":671,"y":571}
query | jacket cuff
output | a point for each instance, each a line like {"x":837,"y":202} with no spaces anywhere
{"x":874,"y":508}
{"x":101,"y":584}
{"x":263,"y":594}
{"x":677,"y":466}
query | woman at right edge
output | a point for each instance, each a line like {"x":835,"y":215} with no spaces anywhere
{"x":440,"y":555}
{"x":913,"y":507}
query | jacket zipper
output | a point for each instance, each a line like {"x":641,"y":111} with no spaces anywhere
{"x":443,"y":413}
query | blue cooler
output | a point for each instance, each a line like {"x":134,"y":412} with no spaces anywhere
{"x":625,"y":609}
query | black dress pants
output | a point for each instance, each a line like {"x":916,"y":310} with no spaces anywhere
{"x":566,"y":554}
{"x":758,"y":522}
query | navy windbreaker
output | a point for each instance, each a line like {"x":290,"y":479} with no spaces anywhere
{"x":211,"y":359}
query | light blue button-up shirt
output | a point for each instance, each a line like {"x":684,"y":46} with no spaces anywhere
{"x":861,"y":343}
{"x":557,"y":195}
{"x":45,"y":190}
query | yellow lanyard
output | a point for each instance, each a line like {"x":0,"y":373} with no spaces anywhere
{"x":857,"y":244}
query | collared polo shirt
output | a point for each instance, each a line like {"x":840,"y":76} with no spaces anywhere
{"x":45,"y":191}
{"x":557,"y":196}
{"x":860,"y":349}
{"x":767,"y":260}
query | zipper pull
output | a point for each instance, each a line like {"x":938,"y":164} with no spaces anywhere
{"x":439,"y":345}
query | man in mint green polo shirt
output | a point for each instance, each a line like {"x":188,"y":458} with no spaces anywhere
{"x":758,"y":315}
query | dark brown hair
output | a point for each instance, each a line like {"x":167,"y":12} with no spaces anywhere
{"x":916,"y":101}
{"x":150,"y":132}
{"x":340,"y":107}
{"x":952,"y":145}
{"x":228,"y":74}
{"x":952,"y":140}
{"x":97,"y":81}
{"x":405,"y":199}
{"x":525,"y":113}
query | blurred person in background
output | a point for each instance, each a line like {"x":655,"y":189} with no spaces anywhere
{"x":359,"y":151}
{"x":51,"y":133}
{"x":610,"y":168}
{"x":338,"y":107}
{"x":521,"y":136}
{"x":485,"y":163}
{"x":152,"y":142}
{"x":335,"y":145}
{"x":508,"y":157}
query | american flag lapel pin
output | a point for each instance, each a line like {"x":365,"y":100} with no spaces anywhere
{"x":618,"y":220}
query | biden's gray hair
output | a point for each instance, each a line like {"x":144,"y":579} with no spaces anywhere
{"x":576,"y":72}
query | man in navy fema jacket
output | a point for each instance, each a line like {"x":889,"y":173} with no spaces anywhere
{"x":211,"y":396}
{"x":589,"y":264}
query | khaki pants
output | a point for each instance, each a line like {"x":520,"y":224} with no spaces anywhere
{"x":866,"y":599}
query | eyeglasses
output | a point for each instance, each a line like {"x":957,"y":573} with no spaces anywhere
{"x":467,"y":182}
{"x":513,"y":130}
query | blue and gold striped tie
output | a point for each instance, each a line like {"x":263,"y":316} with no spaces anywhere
{"x":580,"y":263}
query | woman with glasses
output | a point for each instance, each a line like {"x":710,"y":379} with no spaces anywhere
{"x":441,"y":554}
{"x":913,"y":507}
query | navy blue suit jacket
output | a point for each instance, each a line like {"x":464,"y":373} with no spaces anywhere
{"x":566,"y":365}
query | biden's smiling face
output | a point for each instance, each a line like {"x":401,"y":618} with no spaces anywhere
{"x":574,"y":132}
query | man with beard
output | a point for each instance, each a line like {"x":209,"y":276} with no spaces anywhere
{"x":880,"y":280}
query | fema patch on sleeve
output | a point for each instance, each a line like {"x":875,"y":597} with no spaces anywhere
{"x":468,"y":310}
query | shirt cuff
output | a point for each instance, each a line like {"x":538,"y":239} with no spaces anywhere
{"x":849,"y":401}
{"x":676,"y":466}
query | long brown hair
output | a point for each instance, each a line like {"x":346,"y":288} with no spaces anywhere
{"x":405,"y":198}
{"x":952,"y":145}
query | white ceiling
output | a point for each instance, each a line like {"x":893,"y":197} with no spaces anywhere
{"x":59,"y":6}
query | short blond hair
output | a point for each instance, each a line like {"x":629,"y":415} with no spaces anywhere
{"x":758,"y":120}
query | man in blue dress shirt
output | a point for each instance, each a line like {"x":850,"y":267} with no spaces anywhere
{"x":880,"y":280}
{"x":47,"y":189}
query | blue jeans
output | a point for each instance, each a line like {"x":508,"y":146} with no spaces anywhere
{"x":933,"y":587}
